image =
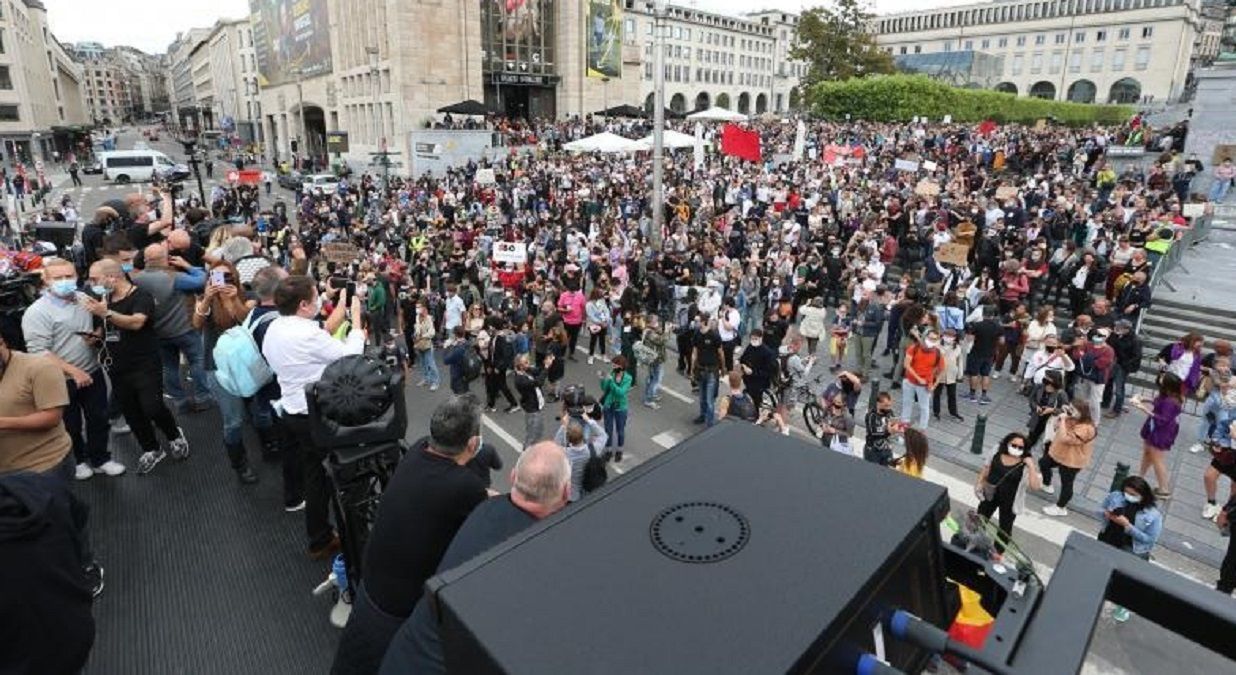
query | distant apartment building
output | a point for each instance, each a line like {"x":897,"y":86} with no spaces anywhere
{"x":1119,"y":51}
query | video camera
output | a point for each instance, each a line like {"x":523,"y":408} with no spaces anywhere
{"x":578,"y":404}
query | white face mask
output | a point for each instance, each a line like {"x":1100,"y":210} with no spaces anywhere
{"x":756,"y":342}
{"x":1016,"y":452}
{"x":932,"y":344}
{"x":1132,"y":499}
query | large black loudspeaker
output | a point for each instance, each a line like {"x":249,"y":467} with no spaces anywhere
{"x":738,"y":551}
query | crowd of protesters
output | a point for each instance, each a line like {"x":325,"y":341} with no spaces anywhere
{"x":933,"y":257}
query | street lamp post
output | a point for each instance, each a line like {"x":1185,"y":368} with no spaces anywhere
{"x":658,"y":125}
{"x":375,"y":74}
{"x":303,"y":136}
{"x":605,"y":94}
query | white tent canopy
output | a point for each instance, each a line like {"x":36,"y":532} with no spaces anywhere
{"x":603,"y":142}
{"x":718,"y":115}
{"x":671,"y":139}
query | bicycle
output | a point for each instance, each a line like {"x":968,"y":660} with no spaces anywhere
{"x":803,"y":393}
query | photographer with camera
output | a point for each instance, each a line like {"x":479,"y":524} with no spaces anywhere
{"x":615,"y":388}
{"x":298,"y":349}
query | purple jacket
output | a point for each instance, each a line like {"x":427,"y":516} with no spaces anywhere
{"x":1195,"y":370}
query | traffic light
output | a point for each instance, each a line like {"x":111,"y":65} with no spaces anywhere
{"x":294,"y":145}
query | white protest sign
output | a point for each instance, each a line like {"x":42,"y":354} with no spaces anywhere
{"x":948,"y":119}
{"x":905,"y":165}
{"x":485,"y":177}
{"x":1193,"y":210}
{"x":929,"y":165}
{"x":510,"y":252}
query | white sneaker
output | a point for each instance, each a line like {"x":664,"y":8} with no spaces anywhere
{"x":111,"y":468}
{"x":83,"y":472}
{"x":1195,"y":448}
{"x":1057,"y":511}
{"x":1210,"y":511}
{"x":1049,"y":489}
{"x":179,"y":446}
{"x":149,"y":460}
{"x":119,"y":426}
{"x":591,"y":360}
{"x":433,"y":387}
{"x":995,"y":376}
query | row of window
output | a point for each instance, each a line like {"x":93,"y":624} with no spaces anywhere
{"x":1097,"y":61}
{"x":1009,"y":12}
{"x":705,"y":37}
{"x":712,"y":56}
{"x":708,"y":76}
{"x":1079,"y":37}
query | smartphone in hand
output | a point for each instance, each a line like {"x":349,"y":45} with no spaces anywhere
{"x":218,"y":277}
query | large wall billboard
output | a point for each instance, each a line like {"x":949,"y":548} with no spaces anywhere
{"x":289,"y":35}
{"x":604,"y":38}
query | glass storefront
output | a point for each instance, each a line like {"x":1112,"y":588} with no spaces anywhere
{"x":519,"y":60}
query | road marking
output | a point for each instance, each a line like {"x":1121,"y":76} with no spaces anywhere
{"x":668,"y":439}
{"x":502,"y":433}
{"x":1043,"y":527}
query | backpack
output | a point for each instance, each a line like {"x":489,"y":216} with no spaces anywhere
{"x":472,"y":364}
{"x":240,"y":367}
{"x":1090,"y":371}
{"x":742,"y":407}
{"x":595,"y":473}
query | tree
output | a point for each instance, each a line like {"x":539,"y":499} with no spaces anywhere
{"x":723,"y":100}
{"x":835,"y":44}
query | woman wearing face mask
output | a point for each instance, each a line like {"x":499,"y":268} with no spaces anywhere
{"x":1070,"y":450}
{"x":954,"y":357}
{"x":1131,"y":522}
{"x":1003,"y":481}
{"x":614,"y":393}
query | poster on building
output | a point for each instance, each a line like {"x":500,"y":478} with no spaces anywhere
{"x":290,"y":37}
{"x":604,"y":38}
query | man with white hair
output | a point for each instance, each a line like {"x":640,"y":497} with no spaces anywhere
{"x":540,"y":485}
{"x":168,"y":279}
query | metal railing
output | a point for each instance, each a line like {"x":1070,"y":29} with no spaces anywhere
{"x":1174,"y":258}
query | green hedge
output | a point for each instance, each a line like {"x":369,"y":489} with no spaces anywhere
{"x":898,"y":98}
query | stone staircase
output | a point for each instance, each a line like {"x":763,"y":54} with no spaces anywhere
{"x":1166,"y":321}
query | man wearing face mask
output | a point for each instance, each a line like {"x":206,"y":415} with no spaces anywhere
{"x":298,"y":349}
{"x":131,"y":357}
{"x":425,"y":503}
{"x":59,"y":327}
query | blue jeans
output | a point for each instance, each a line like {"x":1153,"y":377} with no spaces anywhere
{"x":615,"y":428}
{"x":1117,"y":388}
{"x":708,"y":396}
{"x":909,"y":392}
{"x":1218,"y":189}
{"x":170,"y":349}
{"x":232,"y":409}
{"x":429,"y":367}
{"x":1211,"y":406}
{"x":653,"y":385}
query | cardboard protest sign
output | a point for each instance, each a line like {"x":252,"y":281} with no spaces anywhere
{"x":340,"y":253}
{"x":953,"y":253}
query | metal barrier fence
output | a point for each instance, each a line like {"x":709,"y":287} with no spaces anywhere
{"x":1174,"y":257}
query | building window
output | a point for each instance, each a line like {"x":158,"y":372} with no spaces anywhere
{"x":1040,"y":39}
{"x":1100,"y":35}
{"x":1060,"y":37}
{"x":948,"y":45}
{"x":1118,"y":60}
{"x":1021,"y":40}
{"x":1079,"y":37}
{"x":629,"y":31}
{"x":1142,"y":59}
{"x":1147,"y":32}
{"x":1075,"y":60}
{"x":1018,"y":59}
{"x":6,"y":81}
{"x":1036,"y":63}
{"x":985,"y":44}
{"x":1122,"y":34}
{"x":918,"y":49}
{"x":1002,"y":42}
{"x":1057,"y":62}
{"x":8,"y":113}
{"x":903,"y":49}
{"x":1096,"y":61}
{"x":686,"y":34}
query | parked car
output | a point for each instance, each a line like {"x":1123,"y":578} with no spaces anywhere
{"x":96,"y":167}
{"x":292,"y":180}
{"x":173,"y":173}
{"x":328,"y":183}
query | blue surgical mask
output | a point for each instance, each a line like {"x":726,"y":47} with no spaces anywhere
{"x":1132,"y":499}
{"x":126,"y":267}
{"x":64,"y":288}
{"x":99,"y":290}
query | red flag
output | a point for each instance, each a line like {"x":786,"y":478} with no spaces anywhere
{"x":986,"y":127}
{"x":738,"y":142}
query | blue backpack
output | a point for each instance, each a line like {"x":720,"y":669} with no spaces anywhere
{"x":240,"y":367}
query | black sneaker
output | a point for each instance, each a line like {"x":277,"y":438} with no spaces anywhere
{"x":94,"y":578}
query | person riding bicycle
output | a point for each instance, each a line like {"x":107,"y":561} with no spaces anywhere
{"x":794,"y":369}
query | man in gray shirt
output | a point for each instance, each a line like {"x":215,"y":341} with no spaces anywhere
{"x":169,"y":280}
{"x":58,"y":327}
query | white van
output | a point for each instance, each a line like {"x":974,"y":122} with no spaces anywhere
{"x":326,"y":182}
{"x":125,"y":166}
